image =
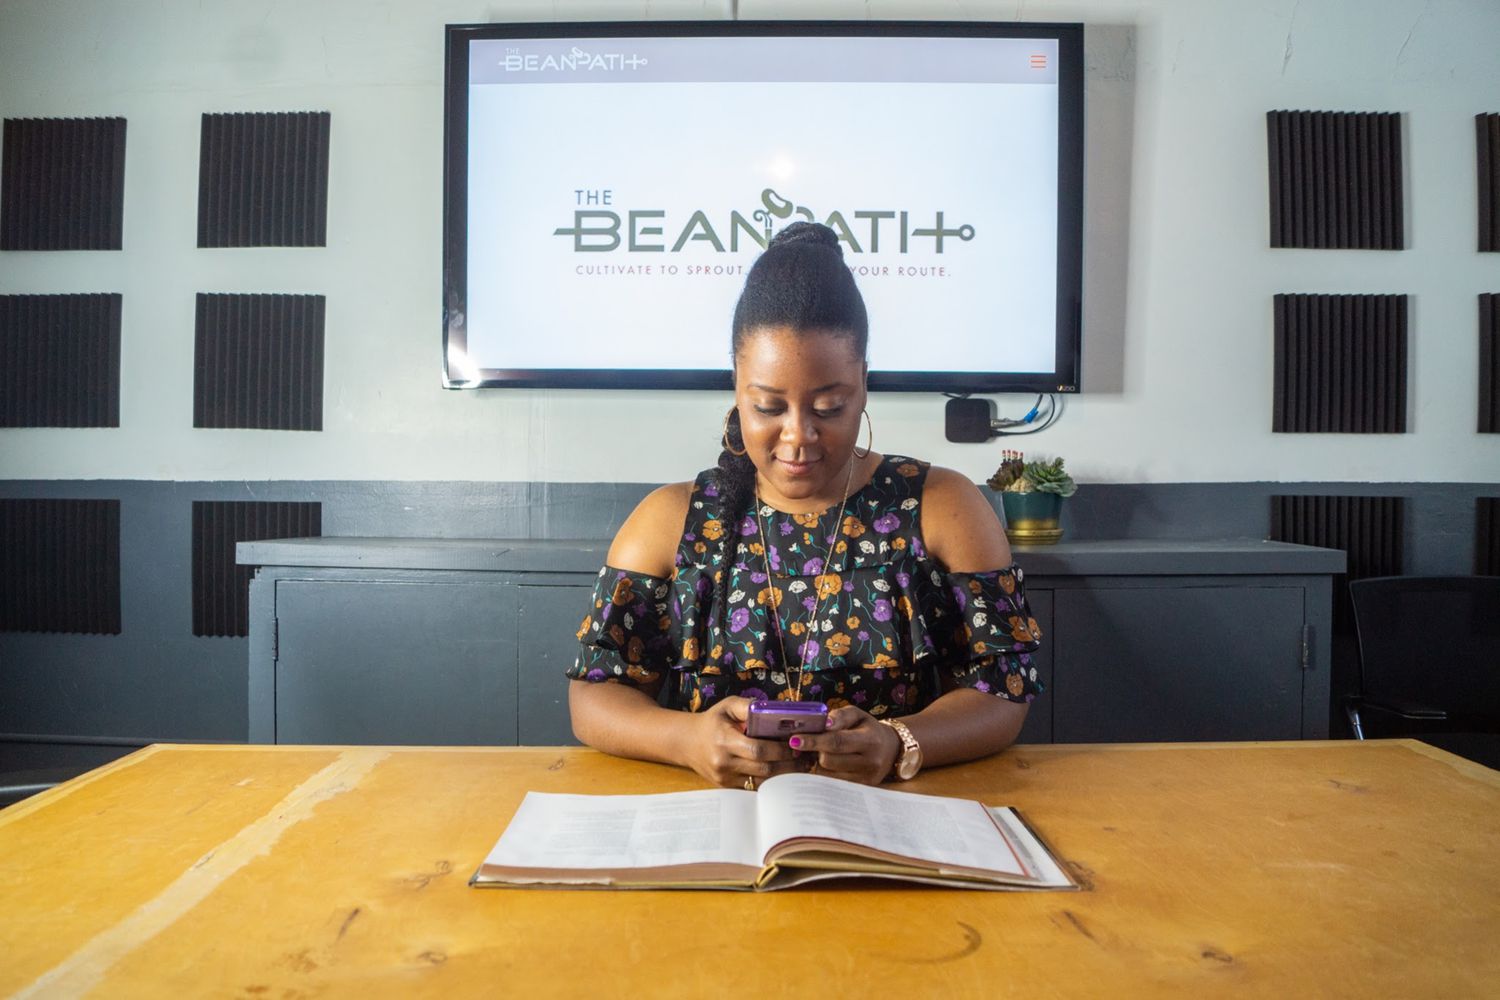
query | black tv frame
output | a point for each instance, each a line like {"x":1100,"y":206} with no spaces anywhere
{"x":1069,"y":326}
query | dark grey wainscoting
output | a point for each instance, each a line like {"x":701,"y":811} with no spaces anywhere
{"x":1439,"y":530}
{"x":156,"y":681}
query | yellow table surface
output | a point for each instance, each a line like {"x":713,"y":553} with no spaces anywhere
{"x":1268,"y":869}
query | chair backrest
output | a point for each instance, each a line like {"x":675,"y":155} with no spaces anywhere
{"x":1432,"y":640}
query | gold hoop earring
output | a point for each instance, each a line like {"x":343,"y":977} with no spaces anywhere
{"x":869,"y":438}
{"x":724,"y":437}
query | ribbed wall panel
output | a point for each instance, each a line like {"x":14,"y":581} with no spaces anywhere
{"x":1487,"y":536}
{"x":1340,"y":364}
{"x":258,"y":362}
{"x":60,"y":566}
{"x":221,"y":587}
{"x":60,"y":360}
{"x":1335,"y":179}
{"x":62,"y":184}
{"x":1370,"y":530}
{"x":1487,"y":143}
{"x":263,"y":180}
{"x":1489,"y":363}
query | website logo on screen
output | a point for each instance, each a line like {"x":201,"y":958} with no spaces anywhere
{"x":575,"y":59}
{"x":871,"y":231}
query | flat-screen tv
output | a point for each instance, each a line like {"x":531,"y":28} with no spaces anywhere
{"x":608,"y":185}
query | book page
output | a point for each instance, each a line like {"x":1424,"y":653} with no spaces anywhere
{"x":630,"y":831}
{"x":945,"y":832}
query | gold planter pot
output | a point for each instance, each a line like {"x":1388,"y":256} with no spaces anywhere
{"x":1032,"y":518}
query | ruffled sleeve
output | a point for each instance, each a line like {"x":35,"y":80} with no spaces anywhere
{"x":627,"y":634}
{"x":991,"y":633}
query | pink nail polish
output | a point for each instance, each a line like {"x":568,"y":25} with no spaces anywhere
{"x":796,"y":742}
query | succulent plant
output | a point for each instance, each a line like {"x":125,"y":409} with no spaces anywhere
{"x":1050,"y":477}
{"x":1016,"y":475}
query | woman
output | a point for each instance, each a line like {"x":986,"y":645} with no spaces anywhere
{"x":806,"y":567}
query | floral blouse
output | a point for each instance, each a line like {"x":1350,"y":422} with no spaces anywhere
{"x":866,"y":616}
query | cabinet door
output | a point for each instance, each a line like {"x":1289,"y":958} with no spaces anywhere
{"x":1177,"y":663}
{"x":395,"y":663}
{"x":1038,"y":728}
{"x":547,"y":641}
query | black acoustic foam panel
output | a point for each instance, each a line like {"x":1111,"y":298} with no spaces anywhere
{"x":1487,"y":141}
{"x":60,"y":566}
{"x":221,"y":587}
{"x":1335,"y":179}
{"x":1487,"y":536}
{"x":1489,"y":363}
{"x":1368,"y":529}
{"x":62,"y":184}
{"x":258,"y":362}
{"x":60,"y":360}
{"x":1340,"y":364}
{"x":263,"y":180}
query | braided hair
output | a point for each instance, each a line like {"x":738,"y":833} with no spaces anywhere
{"x":801,"y":283}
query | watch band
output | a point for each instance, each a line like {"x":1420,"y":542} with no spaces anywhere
{"x":909,"y":761}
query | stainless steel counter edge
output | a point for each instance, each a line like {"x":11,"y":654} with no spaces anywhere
{"x":1112,"y":557}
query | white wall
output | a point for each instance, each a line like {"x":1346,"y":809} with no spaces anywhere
{"x":1179,"y":277}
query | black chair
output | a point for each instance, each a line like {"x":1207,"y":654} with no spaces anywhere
{"x":1429,"y":661}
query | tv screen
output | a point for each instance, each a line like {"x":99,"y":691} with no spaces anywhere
{"x":609,"y":185}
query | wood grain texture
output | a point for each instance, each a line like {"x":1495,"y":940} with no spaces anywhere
{"x":1290,"y":869}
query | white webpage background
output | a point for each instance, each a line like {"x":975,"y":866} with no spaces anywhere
{"x":983,"y":154}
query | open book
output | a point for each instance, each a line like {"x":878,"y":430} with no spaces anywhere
{"x":798,"y":828}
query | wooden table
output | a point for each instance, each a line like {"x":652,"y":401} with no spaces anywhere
{"x":1270,"y":869}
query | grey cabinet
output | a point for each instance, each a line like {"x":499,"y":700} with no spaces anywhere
{"x":1204,"y":640}
{"x":463,"y":641}
{"x":1180,"y":662}
{"x":414,"y":641}
{"x":405,"y":662}
{"x":547,"y":620}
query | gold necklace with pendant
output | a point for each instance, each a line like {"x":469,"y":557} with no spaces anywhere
{"x":775,"y":592}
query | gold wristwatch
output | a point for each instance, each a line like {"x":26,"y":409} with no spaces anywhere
{"x":909,"y":761}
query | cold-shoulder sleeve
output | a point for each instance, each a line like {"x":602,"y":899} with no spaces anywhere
{"x":991,"y":633}
{"x":627,"y":633}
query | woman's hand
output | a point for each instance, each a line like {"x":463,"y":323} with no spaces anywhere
{"x":720,"y":751}
{"x":854,"y":747}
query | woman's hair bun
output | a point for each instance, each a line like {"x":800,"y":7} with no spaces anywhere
{"x":807,"y":232}
{"x":802,"y":282}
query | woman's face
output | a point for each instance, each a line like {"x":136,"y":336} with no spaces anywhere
{"x":800,"y":397}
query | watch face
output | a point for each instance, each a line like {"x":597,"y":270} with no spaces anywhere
{"x":909,"y":757}
{"x":910,"y":762}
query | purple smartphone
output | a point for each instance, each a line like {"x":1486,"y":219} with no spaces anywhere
{"x":781,"y":719}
